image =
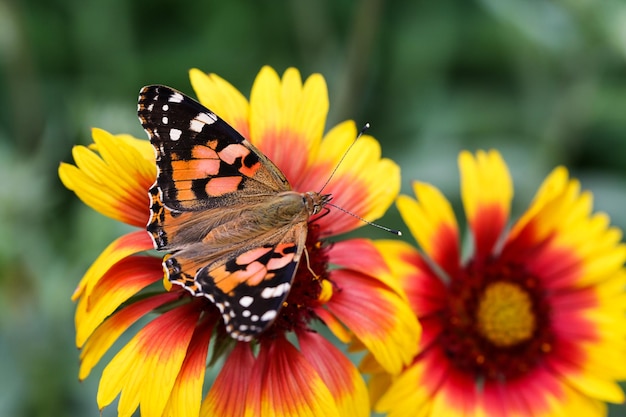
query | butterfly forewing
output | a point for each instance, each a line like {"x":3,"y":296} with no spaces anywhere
{"x":201,"y":159}
{"x":234,"y":230}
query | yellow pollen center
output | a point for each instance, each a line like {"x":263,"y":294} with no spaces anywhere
{"x":504,"y":315}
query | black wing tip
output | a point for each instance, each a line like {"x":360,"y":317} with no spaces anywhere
{"x":155,"y":87}
{"x":152,"y":92}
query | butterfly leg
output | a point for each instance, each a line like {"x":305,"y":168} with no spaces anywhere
{"x":308,"y":264}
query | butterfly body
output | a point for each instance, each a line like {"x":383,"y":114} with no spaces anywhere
{"x":234,"y":229}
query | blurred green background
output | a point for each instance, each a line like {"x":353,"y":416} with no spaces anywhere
{"x":542,"y":81}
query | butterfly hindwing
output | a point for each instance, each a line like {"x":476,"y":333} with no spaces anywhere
{"x":249,"y":284}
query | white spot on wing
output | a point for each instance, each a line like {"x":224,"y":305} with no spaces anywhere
{"x":165,"y":107}
{"x":200,"y":120}
{"x":208,"y":118}
{"x":269,"y":315}
{"x":175,"y":98}
{"x":246,"y":301}
{"x":277,"y":291}
{"x":196,"y":125}
{"x":175,"y":134}
{"x":164,"y":120}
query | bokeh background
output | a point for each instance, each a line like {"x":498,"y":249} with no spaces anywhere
{"x":542,"y":81}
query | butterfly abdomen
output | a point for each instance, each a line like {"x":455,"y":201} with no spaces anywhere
{"x":260,"y":220}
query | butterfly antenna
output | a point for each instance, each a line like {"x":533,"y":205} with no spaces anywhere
{"x":386,"y":229}
{"x":367,"y":126}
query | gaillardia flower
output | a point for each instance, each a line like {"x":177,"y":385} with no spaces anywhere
{"x":290,"y":369}
{"x":531,"y":323}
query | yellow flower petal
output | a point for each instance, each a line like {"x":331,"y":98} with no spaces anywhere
{"x":122,"y":281}
{"x":334,"y":325}
{"x":370,"y":262}
{"x":378,"y":384}
{"x":107,"y":333}
{"x":285,"y":384}
{"x":394,"y":253}
{"x":120,"y":248}
{"x":287,"y":118}
{"x":116,"y":182}
{"x":375,"y":179}
{"x":145,"y":370}
{"x":485,"y":181}
{"x":574,"y":403}
{"x":227,"y":396}
{"x":338,"y":373}
{"x":145,"y":149}
{"x":407,"y":395}
{"x":219,"y":96}
{"x":552,"y":186}
{"x":432,"y":222}
{"x":380,"y":318}
{"x":594,"y":387}
{"x":563,"y":214}
{"x":486,"y":191}
{"x":186,"y":395}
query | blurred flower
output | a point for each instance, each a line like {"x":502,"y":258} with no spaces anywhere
{"x":289,"y":369}
{"x":531,"y":324}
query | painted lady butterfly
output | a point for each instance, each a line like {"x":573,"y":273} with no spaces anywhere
{"x":234,"y":229}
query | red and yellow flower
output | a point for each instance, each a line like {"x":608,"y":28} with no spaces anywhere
{"x":289,"y":369}
{"x":532,"y":322}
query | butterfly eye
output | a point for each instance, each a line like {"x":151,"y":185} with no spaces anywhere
{"x":315,"y":202}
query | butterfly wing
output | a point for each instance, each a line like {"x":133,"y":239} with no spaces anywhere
{"x":249,"y":284}
{"x":202,"y":162}
{"x":212,"y":207}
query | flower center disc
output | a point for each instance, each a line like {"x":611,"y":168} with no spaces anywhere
{"x":505,"y":314}
{"x":496,"y":325}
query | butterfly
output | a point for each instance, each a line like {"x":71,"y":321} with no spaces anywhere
{"x":233,"y":228}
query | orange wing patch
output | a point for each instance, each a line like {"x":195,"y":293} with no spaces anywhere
{"x":227,"y":281}
{"x":184,"y":191}
{"x":205,"y":152}
{"x":251,"y":255}
{"x":284,"y":249}
{"x":233,"y":151}
{"x":252,"y":267}
{"x":194,"y":168}
{"x":218,"y":186}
